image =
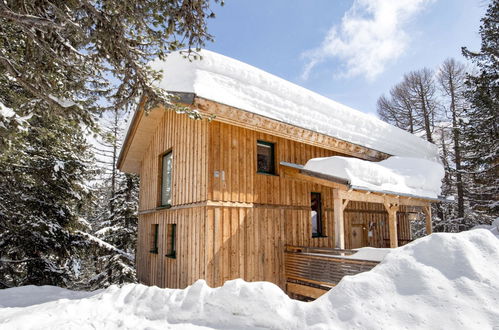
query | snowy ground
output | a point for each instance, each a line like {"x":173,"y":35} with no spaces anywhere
{"x":442,"y":281}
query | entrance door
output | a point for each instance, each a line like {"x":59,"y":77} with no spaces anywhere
{"x":357,"y":236}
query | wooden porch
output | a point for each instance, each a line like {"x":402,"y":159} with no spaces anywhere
{"x":344,"y":193}
{"x":311,"y":272}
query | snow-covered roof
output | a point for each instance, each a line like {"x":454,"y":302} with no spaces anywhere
{"x":228,"y":81}
{"x":396,"y":175}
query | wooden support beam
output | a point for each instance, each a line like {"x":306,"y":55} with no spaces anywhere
{"x":339,"y":225}
{"x":294,"y":173}
{"x":392,"y":223}
{"x":345,"y":204}
{"x":427,"y":213}
{"x":304,"y":290}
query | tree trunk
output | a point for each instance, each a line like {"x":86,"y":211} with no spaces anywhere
{"x":457,"y":152}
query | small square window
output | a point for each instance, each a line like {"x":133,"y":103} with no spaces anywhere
{"x":265,"y":157}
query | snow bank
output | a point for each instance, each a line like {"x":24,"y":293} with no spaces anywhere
{"x":494,"y":227}
{"x":442,"y":281}
{"x":228,"y":81}
{"x":403,"y":175}
{"x":33,"y":295}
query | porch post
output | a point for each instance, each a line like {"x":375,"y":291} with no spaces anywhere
{"x":339,"y":226}
{"x":427,"y":213}
{"x":392,"y":223}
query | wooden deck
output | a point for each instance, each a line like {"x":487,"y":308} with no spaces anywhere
{"x":311,"y":272}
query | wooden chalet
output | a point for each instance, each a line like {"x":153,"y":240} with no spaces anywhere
{"x":228,"y":198}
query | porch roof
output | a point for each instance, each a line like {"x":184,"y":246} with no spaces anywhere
{"x":300,"y":172}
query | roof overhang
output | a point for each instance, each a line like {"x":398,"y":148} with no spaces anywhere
{"x":141,"y":130}
{"x":144,"y":124}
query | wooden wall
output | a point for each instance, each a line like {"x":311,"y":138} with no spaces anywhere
{"x":373,"y":217}
{"x":213,"y":243}
{"x":187,"y":139}
{"x":232,"y":151}
{"x":234,"y":224}
{"x":189,"y":264}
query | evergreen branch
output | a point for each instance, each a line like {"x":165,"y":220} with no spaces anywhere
{"x":27,"y":20}
{"x":24,"y":83}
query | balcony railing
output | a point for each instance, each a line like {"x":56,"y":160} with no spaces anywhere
{"x":310,"y":271}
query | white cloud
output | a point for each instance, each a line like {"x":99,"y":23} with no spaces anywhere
{"x":371,"y":34}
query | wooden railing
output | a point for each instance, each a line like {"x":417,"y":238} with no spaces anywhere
{"x":310,"y":272}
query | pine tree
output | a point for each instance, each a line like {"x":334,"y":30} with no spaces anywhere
{"x":61,"y":63}
{"x":119,"y":229}
{"x":42,"y":189}
{"x":481,"y":130}
{"x":71,"y":53}
{"x":113,"y":215}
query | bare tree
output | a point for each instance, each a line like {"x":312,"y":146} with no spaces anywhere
{"x":422,"y":90}
{"x":451,"y":78}
{"x":398,"y":109}
{"x":412,"y":104}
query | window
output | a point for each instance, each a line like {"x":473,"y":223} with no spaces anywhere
{"x":171,"y":233}
{"x":166,"y":179}
{"x":265,"y":157}
{"x":154,"y":238}
{"x":316,"y":214}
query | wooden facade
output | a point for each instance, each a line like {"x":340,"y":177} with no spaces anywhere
{"x":232,"y":222}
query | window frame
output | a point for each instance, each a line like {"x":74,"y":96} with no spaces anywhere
{"x":161,"y":180}
{"x":320,"y":215}
{"x":272,"y":145}
{"x":155,"y":237}
{"x":171,"y":234}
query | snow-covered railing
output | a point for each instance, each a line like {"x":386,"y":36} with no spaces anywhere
{"x":320,"y":268}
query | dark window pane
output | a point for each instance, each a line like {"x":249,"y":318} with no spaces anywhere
{"x":316,"y":214}
{"x":265,"y":157}
{"x":154,"y":238}
{"x":171,"y":232}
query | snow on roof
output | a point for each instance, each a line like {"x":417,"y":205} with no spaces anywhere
{"x":234,"y":83}
{"x":441,"y":281}
{"x":403,"y":175}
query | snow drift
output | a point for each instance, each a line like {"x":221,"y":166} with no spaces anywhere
{"x":442,"y":281}
{"x":403,"y":175}
{"x":228,"y":81}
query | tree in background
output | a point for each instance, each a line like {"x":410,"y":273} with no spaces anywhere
{"x":466,"y":132}
{"x":412,"y":103}
{"x":398,"y":109}
{"x":113,"y":213}
{"x":481,"y":131}
{"x":42,"y":189}
{"x":61,"y":64}
{"x":451,"y":77}
{"x":71,"y":52}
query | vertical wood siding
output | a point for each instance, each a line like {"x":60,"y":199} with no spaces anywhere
{"x":242,"y":233}
{"x":187,"y":139}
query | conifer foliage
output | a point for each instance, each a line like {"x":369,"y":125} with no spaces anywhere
{"x":70,"y":52}
{"x":42,"y":190}
{"x":462,"y":122}
{"x":482,"y":125}
{"x":62,"y":63}
{"x":113,"y":213}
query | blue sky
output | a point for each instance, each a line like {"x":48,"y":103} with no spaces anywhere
{"x":355,"y":50}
